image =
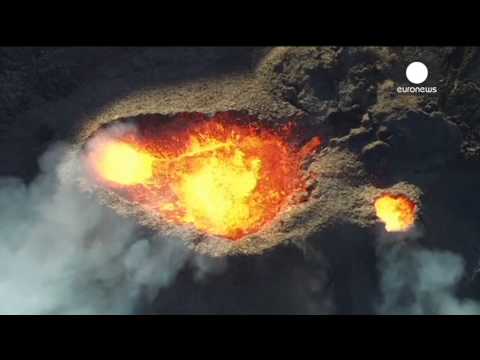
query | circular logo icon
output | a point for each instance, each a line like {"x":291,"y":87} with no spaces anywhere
{"x":417,"y":72}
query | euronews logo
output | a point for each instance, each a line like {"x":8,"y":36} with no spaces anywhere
{"x":417,"y":73}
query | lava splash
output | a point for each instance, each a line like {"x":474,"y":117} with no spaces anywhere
{"x":223,"y":177}
{"x":398,"y":212}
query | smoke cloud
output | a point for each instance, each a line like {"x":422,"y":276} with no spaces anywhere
{"x":418,"y":281}
{"x":61,"y":252}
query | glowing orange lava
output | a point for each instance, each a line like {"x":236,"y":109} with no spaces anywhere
{"x":397,"y":212}
{"x":224,"y":178}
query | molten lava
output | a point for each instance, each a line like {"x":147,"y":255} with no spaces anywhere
{"x":123,"y":164}
{"x":396,"y":211}
{"x":224,"y":178}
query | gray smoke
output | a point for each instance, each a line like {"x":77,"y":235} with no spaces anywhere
{"x":61,"y":252}
{"x":418,"y":281}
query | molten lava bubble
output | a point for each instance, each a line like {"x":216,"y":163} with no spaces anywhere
{"x":396,"y":211}
{"x":224,"y":178}
{"x":122,"y":163}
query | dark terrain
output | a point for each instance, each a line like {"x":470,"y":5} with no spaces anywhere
{"x":338,"y":273}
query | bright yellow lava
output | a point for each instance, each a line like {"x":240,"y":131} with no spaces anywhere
{"x":216,"y":195}
{"x":121,"y":163}
{"x":396,"y":211}
{"x":225,"y":179}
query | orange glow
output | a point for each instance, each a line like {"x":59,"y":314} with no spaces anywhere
{"x":225,"y":179}
{"x":396,"y":211}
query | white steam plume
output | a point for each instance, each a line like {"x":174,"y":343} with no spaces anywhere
{"x":418,"y":281}
{"x":61,"y":252}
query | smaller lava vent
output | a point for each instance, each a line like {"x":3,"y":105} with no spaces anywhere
{"x":398,"y":212}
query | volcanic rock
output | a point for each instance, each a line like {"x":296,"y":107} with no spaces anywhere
{"x":425,"y":145}
{"x":421,"y":139}
{"x":374,"y":153}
